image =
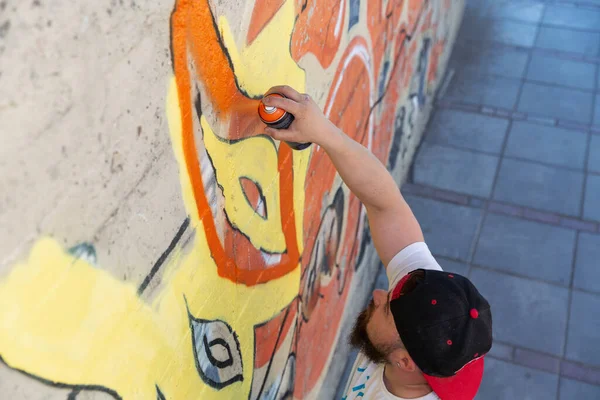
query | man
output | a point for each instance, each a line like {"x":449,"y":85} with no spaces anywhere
{"x":426,"y":337}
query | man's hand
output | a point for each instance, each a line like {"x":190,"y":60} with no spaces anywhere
{"x":310,"y":124}
{"x":392,"y":223}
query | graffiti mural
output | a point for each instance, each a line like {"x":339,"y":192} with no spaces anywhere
{"x":251,"y":306}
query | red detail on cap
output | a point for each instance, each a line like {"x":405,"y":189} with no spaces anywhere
{"x":462,"y":386}
{"x":476,"y":354}
{"x":474,"y":313}
{"x":398,"y":288}
{"x":434,"y":302}
{"x":450,"y":276}
{"x":449,"y":342}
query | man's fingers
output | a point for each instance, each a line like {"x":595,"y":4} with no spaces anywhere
{"x":287,"y":91}
{"x":278,"y":134}
{"x":285,"y":104}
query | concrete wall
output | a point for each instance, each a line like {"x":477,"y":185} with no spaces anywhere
{"x":154,"y":245}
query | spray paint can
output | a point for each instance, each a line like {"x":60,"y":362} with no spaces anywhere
{"x":279,"y":119}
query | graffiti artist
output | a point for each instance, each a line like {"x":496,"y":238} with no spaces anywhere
{"x":427,"y":336}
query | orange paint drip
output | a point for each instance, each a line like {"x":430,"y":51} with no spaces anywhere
{"x":193,"y":26}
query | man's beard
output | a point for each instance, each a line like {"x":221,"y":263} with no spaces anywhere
{"x":360,"y":340}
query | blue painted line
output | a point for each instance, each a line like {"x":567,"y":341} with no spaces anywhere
{"x":361,"y":369}
{"x":355,"y":388}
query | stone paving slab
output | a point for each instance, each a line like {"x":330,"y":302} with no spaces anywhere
{"x":526,"y":313}
{"x":526,"y":248}
{"x":540,"y":186}
{"x":573,"y":390}
{"x":593,"y":164}
{"x":485,"y":89}
{"x":591,"y":206}
{"x":502,"y":31}
{"x":584,"y":326}
{"x":482,"y":59}
{"x":524,"y":11}
{"x":469,"y":131}
{"x":506,"y":381}
{"x":564,"y":103}
{"x":450,"y":168}
{"x":547,"y":144}
{"x":553,"y":38}
{"x":558,"y":71}
{"x":597,"y":109}
{"x":449,"y":229}
{"x":587,"y":265}
{"x":458,"y":267}
{"x":569,"y":16}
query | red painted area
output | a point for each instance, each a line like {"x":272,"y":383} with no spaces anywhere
{"x":267,"y":335}
{"x":319,"y":29}
{"x":253,"y":195}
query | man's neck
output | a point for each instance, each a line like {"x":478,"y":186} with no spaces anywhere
{"x":404,"y":385}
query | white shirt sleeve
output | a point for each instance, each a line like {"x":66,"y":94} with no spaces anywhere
{"x":410,"y":258}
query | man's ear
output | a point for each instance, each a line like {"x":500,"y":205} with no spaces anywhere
{"x":400,"y":359}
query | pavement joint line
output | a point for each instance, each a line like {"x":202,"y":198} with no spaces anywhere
{"x":557,"y":85}
{"x":583,"y":373}
{"x":570,"y":295}
{"x":503,"y":208}
{"x":496,"y":44}
{"x":577,"y":4}
{"x":514,"y":274}
{"x":525,"y":79}
{"x":569,"y":55}
{"x":537,"y":360}
{"x":486,"y":207}
{"x":521,"y":276}
{"x":455,"y":104}
{"x":587,"y":373}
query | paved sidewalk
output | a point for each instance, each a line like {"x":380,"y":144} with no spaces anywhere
{"x":506,"y":185}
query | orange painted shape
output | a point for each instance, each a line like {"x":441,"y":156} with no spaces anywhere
{"x":263,"y":12}
{"x":193,"y":28}
{"x":209,"y":54}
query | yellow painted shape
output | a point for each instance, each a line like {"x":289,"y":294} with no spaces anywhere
{"x":267,"y":60}
{"x":68,"y":322}
{"x":256,"y":159}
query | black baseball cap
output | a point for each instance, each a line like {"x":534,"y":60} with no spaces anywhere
{"x":446,"y":326}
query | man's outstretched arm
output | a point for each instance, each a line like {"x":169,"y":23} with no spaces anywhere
{"x":392,"y":223}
